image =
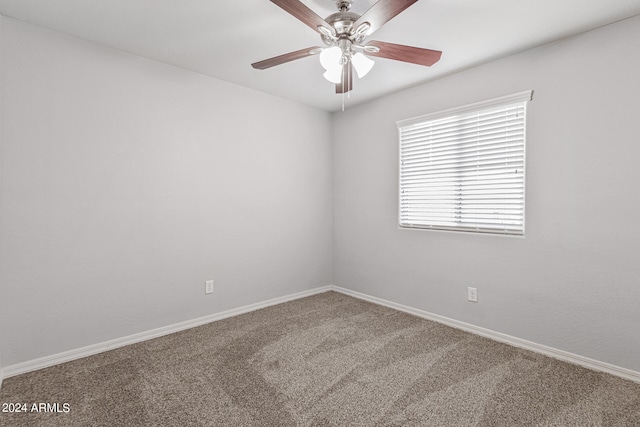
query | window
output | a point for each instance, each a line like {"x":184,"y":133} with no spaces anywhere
{"x":464,"y":169}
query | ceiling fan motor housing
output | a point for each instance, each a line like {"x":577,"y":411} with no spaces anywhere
{"x":342,"y":22}
{"x":343,"y":25}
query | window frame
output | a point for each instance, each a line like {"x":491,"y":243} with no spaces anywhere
{"x":516,"y":98}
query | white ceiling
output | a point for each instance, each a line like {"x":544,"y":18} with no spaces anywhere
{"x":222,"y":38}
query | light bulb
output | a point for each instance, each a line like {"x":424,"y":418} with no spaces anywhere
{"x":362,"y":64}
{"x":330,"y":58}
{"x":334,"y":75}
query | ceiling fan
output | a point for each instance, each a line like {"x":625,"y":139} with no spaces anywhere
{"x":344,"y":34}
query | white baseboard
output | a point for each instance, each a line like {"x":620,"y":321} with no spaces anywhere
{"x":586,"y":362}
{"x":67,"y":356}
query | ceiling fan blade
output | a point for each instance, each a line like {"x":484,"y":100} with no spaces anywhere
{"x":303,"y":13}
{"x":347,"y":79}
{"x":381,"y":13}
{"x":287,"y":57}
{"x":400,"y":52}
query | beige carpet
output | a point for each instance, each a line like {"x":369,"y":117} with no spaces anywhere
{"x":326,"y":360}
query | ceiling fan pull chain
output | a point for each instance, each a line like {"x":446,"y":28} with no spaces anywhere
{"x":349,"y":68}
{"x":343,"y":76}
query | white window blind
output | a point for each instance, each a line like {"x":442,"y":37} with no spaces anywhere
{"x":464,"y":169}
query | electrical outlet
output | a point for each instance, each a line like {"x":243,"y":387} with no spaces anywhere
{"x":472,"y":294}
{"x":208,"y":287}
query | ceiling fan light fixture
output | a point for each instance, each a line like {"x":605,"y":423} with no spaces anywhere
{"x":330,"y":58}
{"x":333,"y":75}
{"x":362,"y":64}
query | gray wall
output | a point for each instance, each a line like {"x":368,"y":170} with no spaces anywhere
{"x":572,"y":282}
{"x":127,"y":183}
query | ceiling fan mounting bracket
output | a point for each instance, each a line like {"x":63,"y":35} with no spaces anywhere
{"x":343,"y":5}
